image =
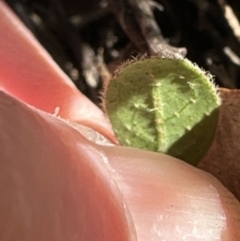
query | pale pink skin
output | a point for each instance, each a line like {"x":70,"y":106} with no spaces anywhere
{"x":39,"y":77}
{"x":58,"y":186}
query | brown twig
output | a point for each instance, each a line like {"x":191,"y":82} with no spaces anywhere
{"x":137,"y":20}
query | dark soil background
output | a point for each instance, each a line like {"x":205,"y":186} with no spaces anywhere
{"x":82,"y":35}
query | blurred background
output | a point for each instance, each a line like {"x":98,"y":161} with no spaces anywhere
{"x":88,"y":37}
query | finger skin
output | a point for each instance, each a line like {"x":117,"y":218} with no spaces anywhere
{"x":57,"y":185}
{"x":171,"y":200}
{"x":54,"y":184}
{"x":30,"y":74}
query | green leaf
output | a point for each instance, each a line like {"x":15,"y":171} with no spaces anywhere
{"x":164,"y":104}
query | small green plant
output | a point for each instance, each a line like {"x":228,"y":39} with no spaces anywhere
{"x":163,"y":104}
